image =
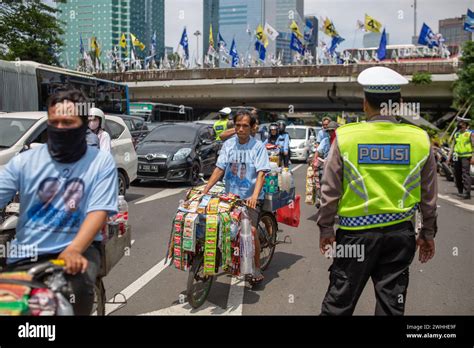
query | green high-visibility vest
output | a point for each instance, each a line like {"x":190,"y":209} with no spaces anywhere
{"x":219,"y":127}
{"x":382,"y":163}
{"x":463,"y":145}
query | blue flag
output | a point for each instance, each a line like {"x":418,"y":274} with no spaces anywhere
{"x":308,"y":31}
{"x":296,"y":44}
{"x":336,"y":40}
{"x":469,"y":23}
{"x":427,"y":37}
{"x":382,"y":51}
{"x":234,"y":54}
{"x":153,"y":43}
{"x":81,"y":47}
{"x":185,"y":43}
{"x":262,"y":51}
{"x":222,"y":44}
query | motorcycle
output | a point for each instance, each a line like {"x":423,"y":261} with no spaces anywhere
{"x":442,"y":156}
{"x":8,"y":221}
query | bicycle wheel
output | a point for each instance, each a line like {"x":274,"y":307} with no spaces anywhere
{"x":199,"y":284}
{"x":99,"y":297}
{"x":267,"y":233}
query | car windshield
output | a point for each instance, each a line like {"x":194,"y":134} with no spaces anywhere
{"x":172,"y":134}
{"x":12,"y":129}
{"x":296,"y":133}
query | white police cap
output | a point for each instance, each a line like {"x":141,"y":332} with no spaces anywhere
{"x":226,"y":111}
{"x":380,"y":79}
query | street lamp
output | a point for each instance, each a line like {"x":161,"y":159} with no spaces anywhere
{"x":197,"y":34}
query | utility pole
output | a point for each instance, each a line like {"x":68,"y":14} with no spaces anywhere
{"x":197,"y":34}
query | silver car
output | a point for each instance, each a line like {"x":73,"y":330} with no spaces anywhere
{"x":27,"y":129}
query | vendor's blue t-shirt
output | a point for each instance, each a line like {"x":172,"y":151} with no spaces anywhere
{"x":241,"y":163}
{"x":56,"y":197}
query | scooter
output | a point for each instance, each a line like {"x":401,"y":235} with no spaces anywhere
{"x":442,"y":155}
{"x":8,"y":222}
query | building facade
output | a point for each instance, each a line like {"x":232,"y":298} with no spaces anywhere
{"x":210,"y":17}
{"x":453,"y":31}
{"x":107,"y":20}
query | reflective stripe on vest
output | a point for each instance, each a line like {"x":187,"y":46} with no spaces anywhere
{"x":463,"y":145}
{"x":382,"y":165}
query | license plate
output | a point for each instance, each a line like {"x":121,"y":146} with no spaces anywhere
{"x":13,"y":208}
{"x":149,"y":168}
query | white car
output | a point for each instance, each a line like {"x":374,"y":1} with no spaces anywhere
{"x":21,"y":129}
{"x":300,"y":141}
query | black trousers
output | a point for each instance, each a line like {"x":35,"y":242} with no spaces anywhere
{"x":386,"y":255}
{"x":82,"y":284}
{"x":462,"y":176}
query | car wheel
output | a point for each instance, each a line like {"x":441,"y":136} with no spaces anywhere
{"x":195,"y":171}
{"x":122,"y":184}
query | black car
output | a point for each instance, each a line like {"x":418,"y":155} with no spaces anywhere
{"x":137,"y":127}
{"x":178,"y":152}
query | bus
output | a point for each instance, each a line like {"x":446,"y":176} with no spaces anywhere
{"x":26,"y":86}
{"x":157,"y":113}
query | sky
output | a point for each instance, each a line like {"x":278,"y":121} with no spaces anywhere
{"x":396,"y":15}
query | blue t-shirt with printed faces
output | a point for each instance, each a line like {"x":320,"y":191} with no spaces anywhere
{"x":241,"y":163}
{"x":56,"y":197}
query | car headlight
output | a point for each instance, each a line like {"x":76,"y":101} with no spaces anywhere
{"x":182,"y":154}
{"x":302,"y":145}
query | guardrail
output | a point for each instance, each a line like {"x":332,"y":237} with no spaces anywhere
{"x":436,"y":67}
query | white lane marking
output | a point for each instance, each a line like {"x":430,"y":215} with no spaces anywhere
{"x":133,"y":241}
{"x":162,"y":194}
{"x":234,"y":304}
{"x":457,"y":203}
{"x":133,"y":288}
{"x":297,"y":167}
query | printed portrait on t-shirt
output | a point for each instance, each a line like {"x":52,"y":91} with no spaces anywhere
{"x":73,"y":193}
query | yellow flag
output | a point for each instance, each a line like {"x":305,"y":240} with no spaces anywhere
{"x":329,"y":29}
{"x":95,"y":46}
{"x":295,"y":29}
{"x":371,"y":24}
{"x":261,"y":35}
{"x":341,"y":120}
{"x":136,"y":42}
{"x":123,"y":41}
{"x":211,"y":37}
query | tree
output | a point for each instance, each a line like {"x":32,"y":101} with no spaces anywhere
{"x":464,"y":87}
{"x":421,"y":78}
{"x":29,"y":30}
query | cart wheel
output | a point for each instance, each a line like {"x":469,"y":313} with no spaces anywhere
{"x":199,"y":284}
{"x":99,"y":294}
{"x":267,"y":232}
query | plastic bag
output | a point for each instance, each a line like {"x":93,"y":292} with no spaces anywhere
{"x":290,"y":215}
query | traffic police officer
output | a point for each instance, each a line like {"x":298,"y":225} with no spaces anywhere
{"x":462,"y":157}
{"x":222,"y":124}
{"x":377,"y":175}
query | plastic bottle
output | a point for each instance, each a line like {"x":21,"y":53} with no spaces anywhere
{"x":286,"y":180}
{"x":122,"y":216}
{"x":247,"y":249}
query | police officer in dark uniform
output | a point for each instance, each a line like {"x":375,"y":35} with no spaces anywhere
{"x":377,"y":176}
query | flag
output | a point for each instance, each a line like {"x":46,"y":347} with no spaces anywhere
{"x":469,"y":23}
{"x":261,"y":36}
{"x":336,"y":40}
{"x":270,"y":32}
{"x":185,"y":43}
{"x":262,"y":51}
{"x":95,"y":46}
{"x":296,"y":44}
{"x":427,"y":37}
{"x":295,"y":29}
{"x":211,"y":38}
{"x":234,"y":54}
{"x":153,"y":44}
{"x":123,"y":41}
{"x":308,"y":30}
{"x":382,"y":50}
{"x":360,"y":25}
{"x":371,"y":24}
{"x":222,"y":44}
{"x":81,"y":46}
{"x":328,"y":28}
{"x":136,"y":42}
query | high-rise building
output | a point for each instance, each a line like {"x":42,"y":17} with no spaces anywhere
{"x":371,"y":39}
{"x":210,"y":17}
{"x":453,"y":31}
{"x":107,"y":20}
{"x":312,"y":45}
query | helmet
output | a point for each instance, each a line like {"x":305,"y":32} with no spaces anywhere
{"x":282,"y":126}
{"x":274,"y":126}
{"x":332,"y":125}
{"x":95,"y":112}
{"x":225,"y":112}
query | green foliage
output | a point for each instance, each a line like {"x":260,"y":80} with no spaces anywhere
{"x":421,"y":78}
{"x":29,"y":30}
{"x":464,"y":87}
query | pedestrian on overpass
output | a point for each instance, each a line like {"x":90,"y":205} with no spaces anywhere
{"x":463,"y":158}
{"x":377,"y":175}
{"x":222,"y":124}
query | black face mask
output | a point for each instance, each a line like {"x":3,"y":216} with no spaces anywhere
{"x":67,"y":145}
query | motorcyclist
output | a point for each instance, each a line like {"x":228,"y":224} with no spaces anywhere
{"x":284,"y":142}
{"x":97,"y":125}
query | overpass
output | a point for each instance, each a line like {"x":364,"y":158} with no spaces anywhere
{"x":302,"y":88}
